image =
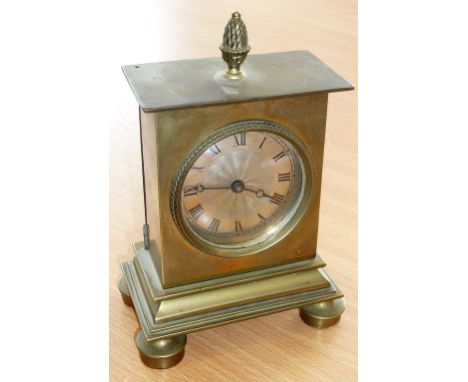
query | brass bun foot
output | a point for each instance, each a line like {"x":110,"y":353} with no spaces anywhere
{"x":124,"y":292}
{"x":323,"y":314}
{"x":161,"y":354}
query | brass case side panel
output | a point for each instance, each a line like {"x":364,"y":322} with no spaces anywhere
{"x":151,"y":164}
{"x":179,"y":131}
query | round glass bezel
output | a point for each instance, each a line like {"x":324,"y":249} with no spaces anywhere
{"x":272,"y":233}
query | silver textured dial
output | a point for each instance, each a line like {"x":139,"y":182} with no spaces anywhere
{"x":241,"y":188}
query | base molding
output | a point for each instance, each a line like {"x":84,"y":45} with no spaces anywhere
{"x":165,"y":313}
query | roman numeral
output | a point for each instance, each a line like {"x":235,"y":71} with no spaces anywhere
{"x":263,"y":141}
{"x":190,"y":190}
{"x":278,"y":156}
{"x":214,"y":225}
{"x":238,"y":226}
{"x":197,"y":211}
{"x":284,"y":177}
{"x":277,"y":198}
{"x":197,"y":168}
{"x":262,"y":218}
{"x":241,"y":139}
{"x":215,"y":149}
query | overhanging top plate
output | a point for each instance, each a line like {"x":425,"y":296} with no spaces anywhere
{"x":190,"y":83}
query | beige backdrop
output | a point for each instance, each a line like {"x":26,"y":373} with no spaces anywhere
{"x":278,"y":347}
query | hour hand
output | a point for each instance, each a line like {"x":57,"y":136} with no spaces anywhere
{"x":202,"y":187}
{"x":199,"y":188}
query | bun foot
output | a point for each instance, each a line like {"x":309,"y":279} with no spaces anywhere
{"x":161,"y":354}
{"x":323,"y":314}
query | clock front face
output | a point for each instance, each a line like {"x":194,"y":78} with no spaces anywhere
{"x":241,"y":189}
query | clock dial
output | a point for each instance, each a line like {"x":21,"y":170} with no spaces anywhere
{"x":242,"y":189}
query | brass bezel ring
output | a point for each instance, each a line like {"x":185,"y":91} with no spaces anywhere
{"x":308,"y":180}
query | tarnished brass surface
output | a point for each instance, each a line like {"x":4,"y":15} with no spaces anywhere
{"x":323,"y":314}
{"x":224,"y":303}
{"x":168,"y":137}
{"x":201,"y":82}
{"x":124,"y":292}
{"x":235,"y":46}
{"x":154,"y":290}
{"x":226,"y":297}
{"x":161,"y":354}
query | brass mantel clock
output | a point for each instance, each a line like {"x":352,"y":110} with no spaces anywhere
{"x":232,"y":166}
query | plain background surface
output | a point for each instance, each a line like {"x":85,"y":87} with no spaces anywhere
{"x":61,"y":81}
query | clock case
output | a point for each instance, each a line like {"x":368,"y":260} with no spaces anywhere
{"x":177,"y":288}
